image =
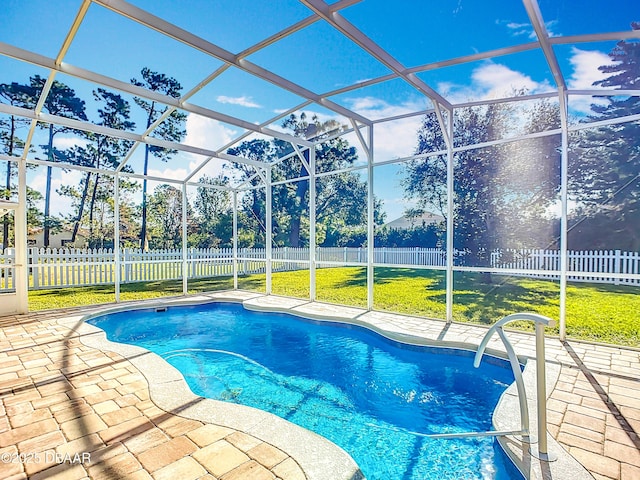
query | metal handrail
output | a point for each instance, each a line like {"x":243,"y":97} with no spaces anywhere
{"x":540,"y":322}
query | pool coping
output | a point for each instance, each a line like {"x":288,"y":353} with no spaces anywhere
{"x":506,"y":416}
{"x":319,"y":458}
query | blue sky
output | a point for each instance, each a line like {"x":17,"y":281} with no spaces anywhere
{"x":318,"y":58}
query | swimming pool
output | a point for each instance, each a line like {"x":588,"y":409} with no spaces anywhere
{"x":374,"y":397}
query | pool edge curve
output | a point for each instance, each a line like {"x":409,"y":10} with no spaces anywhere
{"x":319,"y":458}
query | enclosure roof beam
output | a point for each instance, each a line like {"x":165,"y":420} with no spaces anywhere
{"x":44,"y":93}
{"x":368,"y":149}
{"x":595,"y":37}
{"x":221,"y":188}
{"x":533,"y":10}
{"x":113,"y":173}
{"x":247,"y":133}
{"x":300,"y":155}
{"x":247,"y":181}
{"x":305,"y":22}
{"x":515,"y":98}
{"x":405,"y":115}
{"x":45,"y":62}
{"x":608,"y":92}
{"x":162,"y":26}
{"x":269,"y":122}
{"x":122,"y":134}
{"x":147,"y":132}
{"x":169,"y":111}
{"x":631,"y":34}
{"x":359,"y":38}
{"x":219,"y":71}
{"x":498,"y":52}
{"x":605,"y":123}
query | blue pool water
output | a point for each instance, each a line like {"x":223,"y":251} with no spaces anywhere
{"x":374,"y":397}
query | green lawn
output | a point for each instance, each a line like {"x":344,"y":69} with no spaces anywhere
{"x":597,"y":312}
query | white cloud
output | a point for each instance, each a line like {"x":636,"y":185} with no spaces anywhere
{"x":526,"y":29}
{"x":585,"y":65}
{"x":212,"y":169}
{"x":394,"y":139}
{"x":243,"y":101}
{"x":68,"y":142}
{"x":370,"y":104}
{"x":60,"y":205}
{"x":519,"y":29}
{"x":38,"y":182}
{"x":204,"y":133}
{"x":494,"y":77}
{"x":169,"y":173}
{"x":492,"y":80}
{"x":207,"y":133}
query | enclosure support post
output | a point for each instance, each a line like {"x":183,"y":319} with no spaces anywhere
{"x":21,"y":258}
{"x":235,"y":240}
{"x":185,"y":275}
{"x":541,"y":385}
{"x":312,"y":223}
{"x":116,"y":234}
{"x":564,"y":212}
{"x":370,"y":222}
{"x":450,"y":245}
{"x":268,"y":229}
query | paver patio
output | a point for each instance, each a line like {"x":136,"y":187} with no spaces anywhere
{"x":61,"y":398}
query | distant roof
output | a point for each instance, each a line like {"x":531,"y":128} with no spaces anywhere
{"x":405,"y":222}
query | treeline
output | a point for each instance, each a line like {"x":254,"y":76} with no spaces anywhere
{"x":156,"y":221}
{"x":506,"y":195}
{"x":92,"y":198}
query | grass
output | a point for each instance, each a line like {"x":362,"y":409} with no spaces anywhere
{"x":596,"y":312}
{"x":81,"y":296}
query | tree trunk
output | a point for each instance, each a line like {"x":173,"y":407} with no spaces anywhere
{"x":5,"y":220}
{"x":76,"y":225}
{"x":47,"y":208}
{"x":296,"y":214}
{"x":92,"y":205}
{"x":143,"y":229}
{"x":47,"y":193}
{"x":144,"y":244}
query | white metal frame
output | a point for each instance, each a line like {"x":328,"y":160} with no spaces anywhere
{"x":363,"y":127}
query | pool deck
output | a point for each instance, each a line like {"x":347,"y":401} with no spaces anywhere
{"x":65,"y":390}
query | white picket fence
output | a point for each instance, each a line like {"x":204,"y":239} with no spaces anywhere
{"x":593,"y":262}
{"x":53,"y":268}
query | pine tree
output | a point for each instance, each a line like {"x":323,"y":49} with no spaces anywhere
{"x":63,"y":102}
{"x":605,"y":162}
{"x":171,"y":129}
{"x":17,"y":95}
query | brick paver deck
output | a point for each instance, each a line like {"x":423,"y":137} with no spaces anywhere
{"x":60,"y":399}
{"x":594,"y":411}
{"x":71,"y":412}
